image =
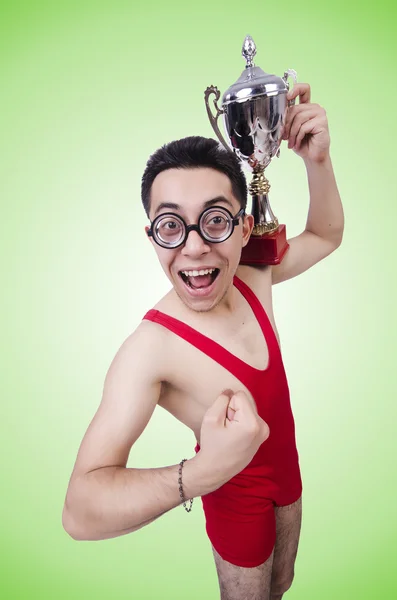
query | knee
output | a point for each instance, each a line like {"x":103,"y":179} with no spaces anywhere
{"x":281,"y":585}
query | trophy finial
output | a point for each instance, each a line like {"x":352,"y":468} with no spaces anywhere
{"x":249,"y":51}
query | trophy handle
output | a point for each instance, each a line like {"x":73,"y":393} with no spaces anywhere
{"x":214,"y":120}
{"x":294,"y":75}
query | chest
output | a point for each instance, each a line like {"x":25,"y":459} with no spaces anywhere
{"x":194,"y":379}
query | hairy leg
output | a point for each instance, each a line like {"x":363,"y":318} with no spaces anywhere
{"x":288,"y":526}
{"x":240,"y":583}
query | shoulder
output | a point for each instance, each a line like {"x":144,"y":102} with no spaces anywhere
{"x":143,"y":352}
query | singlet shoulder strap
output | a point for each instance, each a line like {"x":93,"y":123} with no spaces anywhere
{"x":240,"y":369}
{"x":251,"y":298}
{"x":260,"y":314}
{"x":218,"y":353}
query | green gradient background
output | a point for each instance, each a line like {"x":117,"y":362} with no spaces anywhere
{"x":89,"y":90}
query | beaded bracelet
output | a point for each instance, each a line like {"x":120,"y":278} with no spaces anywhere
{"x":181,"y":488}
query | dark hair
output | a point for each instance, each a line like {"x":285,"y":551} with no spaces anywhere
{"x":191,"y":153}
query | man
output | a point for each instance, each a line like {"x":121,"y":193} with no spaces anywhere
{"x":208,"y":353}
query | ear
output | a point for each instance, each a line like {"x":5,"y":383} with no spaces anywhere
{"x":248,"y":225}
{"x":148,"y":236}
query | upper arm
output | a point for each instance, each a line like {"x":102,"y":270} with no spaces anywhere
{"x":130,"y":394}
{"x":305,"y":250}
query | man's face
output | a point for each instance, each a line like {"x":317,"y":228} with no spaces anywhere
{"x":187,"y":192}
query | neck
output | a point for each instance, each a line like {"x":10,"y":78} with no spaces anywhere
{"x":226,"y":308}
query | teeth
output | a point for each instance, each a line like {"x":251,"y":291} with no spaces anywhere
{"x":196,"y":273}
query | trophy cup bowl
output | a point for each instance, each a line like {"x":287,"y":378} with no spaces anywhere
{"x":254,"y":110}
{"x":255,"y":128}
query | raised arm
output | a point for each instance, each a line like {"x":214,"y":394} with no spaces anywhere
{"x":307,"y":133}
{"x":104,"y":498}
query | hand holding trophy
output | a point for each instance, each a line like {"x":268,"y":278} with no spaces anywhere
{"x":254,"y":110}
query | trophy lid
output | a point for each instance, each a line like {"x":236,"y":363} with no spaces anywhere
{"x":253,"y":81}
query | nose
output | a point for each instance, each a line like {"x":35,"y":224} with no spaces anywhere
{"x":195,"y":245}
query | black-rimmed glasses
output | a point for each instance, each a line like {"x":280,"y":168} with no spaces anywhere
{"x":215,"y":224}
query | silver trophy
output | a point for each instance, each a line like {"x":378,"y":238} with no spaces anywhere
{"x":254,"y":110}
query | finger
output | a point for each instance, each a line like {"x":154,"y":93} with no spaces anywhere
{"x":243,"y":405}
{"x":238,"y":399}
{"x":296,"y":109}
{"x":302,"y":90}
{"x":217,"y":412}
{"x":292,"y":113}
{"x":296,"y":126}
{"x":306,"y":128}
{"x":311,"y":109}
{"x":230,"y":413}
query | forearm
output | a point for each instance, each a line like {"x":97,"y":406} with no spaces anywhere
{"x":325,"y":217}
{"x":114,"y":501}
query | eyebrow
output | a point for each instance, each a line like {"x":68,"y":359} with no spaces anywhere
{"x":206,"y":204}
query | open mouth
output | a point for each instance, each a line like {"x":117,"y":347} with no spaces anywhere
{"x":199,"y":279}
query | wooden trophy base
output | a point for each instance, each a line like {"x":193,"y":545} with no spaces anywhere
{"x":266,"y":249}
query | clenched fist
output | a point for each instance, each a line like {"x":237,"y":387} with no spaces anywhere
{"x":231,"y":433}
